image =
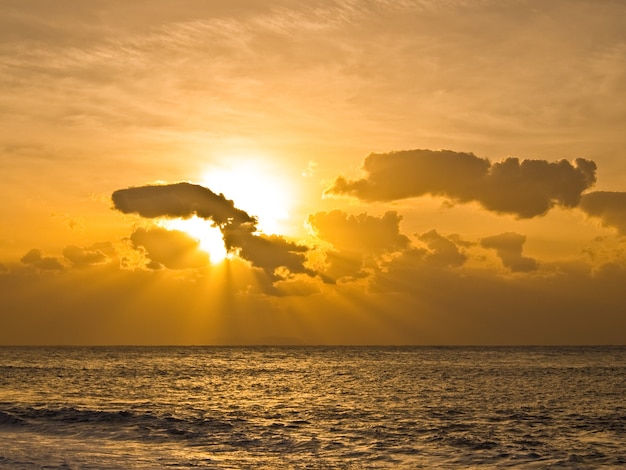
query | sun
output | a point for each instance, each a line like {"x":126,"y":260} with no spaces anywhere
{"x":254,"y":187}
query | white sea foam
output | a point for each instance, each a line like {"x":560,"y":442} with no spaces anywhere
{"x":305,"y":407}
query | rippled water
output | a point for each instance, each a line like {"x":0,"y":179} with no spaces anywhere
{"x":312,"y":407}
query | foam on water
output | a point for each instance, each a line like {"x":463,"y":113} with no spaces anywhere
{"x":311,"y":407}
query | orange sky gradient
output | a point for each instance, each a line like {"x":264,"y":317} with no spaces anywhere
{"x":327,"y":172}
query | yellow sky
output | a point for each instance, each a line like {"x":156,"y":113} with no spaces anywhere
{"x":401,"y":172}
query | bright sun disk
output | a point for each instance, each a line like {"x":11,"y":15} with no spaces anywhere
{"x":256,"y":189}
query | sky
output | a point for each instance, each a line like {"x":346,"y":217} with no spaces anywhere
{"x":323,"y":172}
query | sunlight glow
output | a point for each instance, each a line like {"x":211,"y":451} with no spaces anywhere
{"x":254,"y":188}
{"x":210,"y":237}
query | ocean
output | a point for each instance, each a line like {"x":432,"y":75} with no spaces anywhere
{"x":312,"y":407}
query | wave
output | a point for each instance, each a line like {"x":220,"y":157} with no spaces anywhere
{"x":9,"y":419}
{"x":120,"y":424}
{"x":347,"y":408}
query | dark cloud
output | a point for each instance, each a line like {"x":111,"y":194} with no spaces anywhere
{"x":443,"y":252}
{"x":169,"y":248}
{"x":81,"y":257}
{"x":180,"y":200}
{"x":508,"y":247}
{"x":276,"y":256}
{"x":609,"y":206}
{"x":35,"y":258}
{"x":525,"y":188}
{"x":3,"y":269}
{"x":268,"y":252}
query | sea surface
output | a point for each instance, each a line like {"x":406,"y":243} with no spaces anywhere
{"x":312,"y":407}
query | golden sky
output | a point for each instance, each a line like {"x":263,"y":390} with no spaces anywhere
{"x":324,"y":172}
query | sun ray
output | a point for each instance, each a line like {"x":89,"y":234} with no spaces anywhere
{"x":208,"y":235}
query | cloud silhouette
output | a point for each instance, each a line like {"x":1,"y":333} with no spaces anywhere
{"x":276,"y":256}
{"x":35,"y":258}
{"x":525,"y":188}
{"x":169,"y":248}
{"x":180,"y":200}
{"x":508,"y":247}
{"x":609,"y":206}
{"x":443,"y":252}
{"x":268,"y":252}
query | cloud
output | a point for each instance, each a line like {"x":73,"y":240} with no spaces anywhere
{"x":35,"y":258}
{"x":345,"y":266}
{"x":407,"y":301}
{"x":356,"y":240}
{"x":401,"y":273}
{"x":525,"y":188}
{"x":443,"y":251}
{"x":180,"y":200}
{"x":3,"y":269}
{"x":508,"y":247}
{"x":81,"y":257}
{"x":169,"y":248}
{"x":360,"y":233}
{"x":474,"y":307}
{"x":268,"y":252}
{"x":276,"y":256}
{"x":609,"y":206}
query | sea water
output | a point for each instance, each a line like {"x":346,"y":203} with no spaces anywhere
{"x":312,"y":407}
